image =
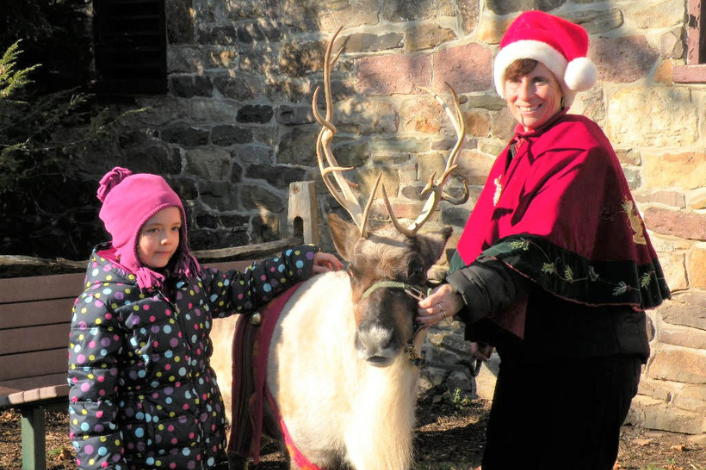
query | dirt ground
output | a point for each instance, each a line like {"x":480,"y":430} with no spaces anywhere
{"x":449,"y":437}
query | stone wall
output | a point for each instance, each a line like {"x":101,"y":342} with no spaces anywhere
{"x":236,"y":128}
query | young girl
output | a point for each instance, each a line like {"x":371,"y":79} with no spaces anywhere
{"x":143,"y":394}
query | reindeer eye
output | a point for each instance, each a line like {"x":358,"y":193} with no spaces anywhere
{"x":416,"y":272}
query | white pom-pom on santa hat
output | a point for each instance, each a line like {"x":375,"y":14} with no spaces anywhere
{"x":555,"y":42}
{"x":581,"y":74}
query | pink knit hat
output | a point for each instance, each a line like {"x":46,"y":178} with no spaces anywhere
{"x":558,"y":44}
{"x":129,"y":200}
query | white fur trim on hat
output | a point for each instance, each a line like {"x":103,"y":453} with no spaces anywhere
{"x":529,"y":49}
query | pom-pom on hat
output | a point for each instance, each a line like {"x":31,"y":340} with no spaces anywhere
{"x":129,"y":200}
{"x":555,"y":42}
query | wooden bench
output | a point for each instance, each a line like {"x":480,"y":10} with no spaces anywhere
{"x":35,"y":316}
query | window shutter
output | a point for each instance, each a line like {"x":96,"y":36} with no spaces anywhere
{"x":130,"y":46}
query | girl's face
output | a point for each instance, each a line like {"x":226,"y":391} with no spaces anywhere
{"x":159,"y":238}
{"x":534,"y":98}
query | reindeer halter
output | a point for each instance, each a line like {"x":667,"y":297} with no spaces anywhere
{"x":414,"y":292}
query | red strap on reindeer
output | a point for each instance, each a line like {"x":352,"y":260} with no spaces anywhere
{"x":250,"y":347}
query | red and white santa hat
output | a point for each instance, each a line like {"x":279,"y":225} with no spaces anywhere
{"x":555,"y":42}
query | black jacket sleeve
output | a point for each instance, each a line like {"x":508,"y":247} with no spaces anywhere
{"x":487,"y":287}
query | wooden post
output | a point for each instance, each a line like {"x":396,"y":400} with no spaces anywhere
{"x":33,"y":441}
{"x":302,"y":214}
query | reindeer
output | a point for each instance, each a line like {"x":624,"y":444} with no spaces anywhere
{"x":343,"y":364}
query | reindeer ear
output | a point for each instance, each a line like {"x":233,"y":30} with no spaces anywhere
{"x":344,"y":236}
{"x":433,"y":243}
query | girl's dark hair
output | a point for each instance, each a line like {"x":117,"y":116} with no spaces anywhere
{"x":519,"y":68}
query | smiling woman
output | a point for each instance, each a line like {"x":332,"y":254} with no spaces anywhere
{"x":532,"y":92}
{"x":554,"y":267}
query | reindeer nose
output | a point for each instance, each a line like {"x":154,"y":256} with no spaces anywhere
{"x":376,"y":344}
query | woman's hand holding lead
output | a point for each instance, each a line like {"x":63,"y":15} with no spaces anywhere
{"x":442,"y":303}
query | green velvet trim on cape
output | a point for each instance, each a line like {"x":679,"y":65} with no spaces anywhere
{"x":575,"y":278}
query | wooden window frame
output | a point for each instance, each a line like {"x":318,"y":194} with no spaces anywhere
{"x":695,"y":69}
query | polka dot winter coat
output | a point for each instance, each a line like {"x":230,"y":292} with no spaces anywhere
{"x":143,"y":394}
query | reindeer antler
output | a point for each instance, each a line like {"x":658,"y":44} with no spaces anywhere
{"x":435,"y":186}
{"x":341,"y":191}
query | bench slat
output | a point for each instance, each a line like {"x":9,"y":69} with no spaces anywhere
{"x":16,"y":366}
{"x":34,"y":338}
{"x":22,"y":289}
{"x":42,"y":312}
{"x":34,"y":395}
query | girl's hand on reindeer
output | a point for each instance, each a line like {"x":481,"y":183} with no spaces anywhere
{"x":325,"y":262}
{"x":442,"y":303}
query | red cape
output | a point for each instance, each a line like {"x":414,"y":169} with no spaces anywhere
{"x":561,"y":213}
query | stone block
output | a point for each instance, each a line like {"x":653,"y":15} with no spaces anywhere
{"x":257,"y":154}
{"x":241,"y":87}
{"x":298,"y":59}
{"x":297,"y":147}
{"x":622,"y":59}
{"x":260,"y":59}
{"x":660,"y":15}
{"x":368,"y":42}
{"x":265,"y":227}
{"x":678,"y":365}
{"x":159,"y":112}
{"x":366,"y":116}
{"x":692,"y":398}
{"x":398,"y":11}
{"x":180,"y":23}
{"x":686,"y":309}
{"x":466,"y":68}
{"x":254,"y":114}
{"x":672,"y":120}
{"x":393,"y":74}
{"x":187,"y":60}
{"x":276,"y":175}
{"x":227,"y":135}
{"x":676,"y":223}
{"x":492,"y":28}
{"x":658,"y":389}
{"x":263,"y":29}
{"x":697,"y":199}
{"x":217,"y":35}
{"x":673,"y":420}
{"x":597,"y":21}
{"x":474,"y":166}
{"x":219,"y":195}
{"x":203,"y":111}
{"x":185,"y":136}
{"x":674,"y":269}
{"x":293,"y":115}
{"x":316,"y":15}
{"x":697,"y":266}
{"x":682,"y":336}
{"x":505,"y":7}
{"x":629,"y":156}
{"x":469,"y":13}
{"x":208,"y":163}
{"x":256,"y":197}
{"x":668,"y":198}
{"x":188,"y":86}
{"x":426,"y":36}
{"x":685,"y":170}
{"x":455,"y":216}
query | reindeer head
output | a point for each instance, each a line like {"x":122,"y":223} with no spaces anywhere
{"x":388,"y":265}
